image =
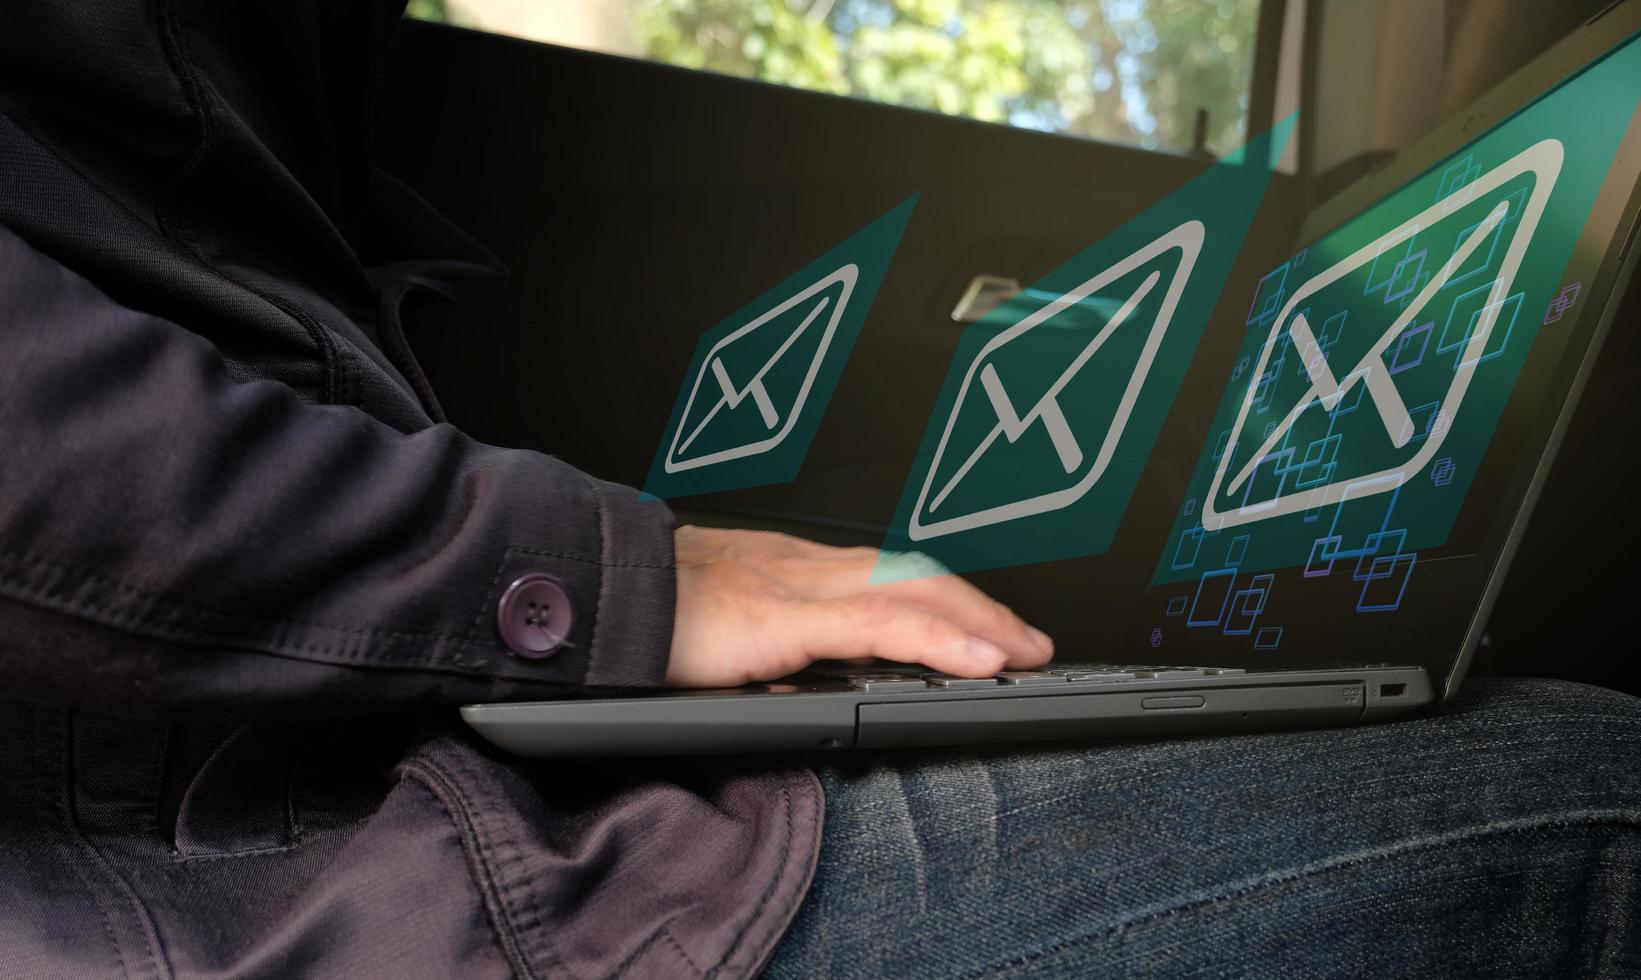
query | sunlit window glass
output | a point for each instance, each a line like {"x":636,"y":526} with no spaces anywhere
{"x":1132,"y":71}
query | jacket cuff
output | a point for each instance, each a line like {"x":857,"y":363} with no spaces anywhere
{"x":621,"y":590}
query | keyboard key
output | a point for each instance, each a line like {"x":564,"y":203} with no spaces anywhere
{"x":951,"y":682}
{"x":1098,"y":676}
{"x":878,"y":685}
{"x":1222,"y":671}
{"x":1167,"y":673}
{"x":1022,"y":678}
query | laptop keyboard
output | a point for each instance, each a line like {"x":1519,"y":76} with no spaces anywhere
{"x":880,"y":681}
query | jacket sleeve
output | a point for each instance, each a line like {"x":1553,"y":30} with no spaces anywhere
{"x":176,"y":542}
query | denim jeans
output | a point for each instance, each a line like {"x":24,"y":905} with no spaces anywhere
{"x":1500,"y":836}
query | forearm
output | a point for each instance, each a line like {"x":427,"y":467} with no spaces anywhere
{"x":168,"y":532}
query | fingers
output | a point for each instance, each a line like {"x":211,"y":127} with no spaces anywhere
{"x":878,"y":625}
{"x":757,"y":605}
{"x":947,"y":596}
{"x":971,"y":609}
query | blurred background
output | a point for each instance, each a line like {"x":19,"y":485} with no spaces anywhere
{"x":1127,"y":71}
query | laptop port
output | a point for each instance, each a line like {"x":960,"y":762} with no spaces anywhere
{"x":1392,"y":690}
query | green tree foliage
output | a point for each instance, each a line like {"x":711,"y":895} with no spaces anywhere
{"x":426,"y":10}
{"x":1128,"y":70}
{"x":772,"y":41}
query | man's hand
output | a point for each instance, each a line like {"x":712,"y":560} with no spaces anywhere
{"x":755,"y":605}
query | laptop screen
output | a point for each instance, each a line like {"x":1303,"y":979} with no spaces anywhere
{"x":1337,"y":473}
{"x":1393,"y":388}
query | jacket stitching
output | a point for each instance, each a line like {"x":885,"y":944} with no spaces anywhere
{"x":156,"y":776}
{"x":180,"y":858}
{"x":102,"y":883}
{"x":168,"y":228}
{"x":176,"y":43}
{"x":605,"y":563}
{"x":532,"y":928}
{"x":47,"y":813}
{"x":162,"y":599}
{"x":769,"y":890}
{"x":396,"y":345}
{"x":296,"y":649}
{"x":339,"y":384}
{"x":333,"y":374}
{"x":456,"y":810}
{"x":158,"y":608}
{"x":666,"y":934}
{"x":153,"y":956}
{"x":499,"y":896}
{"x":795,"y":896}
{"x":471,"y":636}
{"x":659,"y":935}
{"x":593,"y":649}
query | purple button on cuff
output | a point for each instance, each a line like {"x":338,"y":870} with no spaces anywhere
{"x":534,"y":615}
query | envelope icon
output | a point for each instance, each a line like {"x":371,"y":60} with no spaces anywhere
{"x":1375,"y":372}
{"x":998,"y":408}
{"x":752,"y":384}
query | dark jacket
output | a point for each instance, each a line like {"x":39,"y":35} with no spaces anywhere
{"x":246,"y":568}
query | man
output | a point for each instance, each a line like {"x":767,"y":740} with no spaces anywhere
{"x":245,"y":570}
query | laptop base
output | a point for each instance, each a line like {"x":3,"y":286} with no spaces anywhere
{"x":893,"y":706}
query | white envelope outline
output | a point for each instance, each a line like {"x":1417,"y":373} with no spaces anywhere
{"x":1188,"y":238}
{"x":1543,"y":160}
{"x":731,"y":396}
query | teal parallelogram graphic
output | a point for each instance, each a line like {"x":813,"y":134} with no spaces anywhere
{"x":759,"y":381}
{"x":1055,"y":398}
{"x":1378,"y":361}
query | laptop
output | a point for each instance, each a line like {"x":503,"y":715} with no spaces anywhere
{"x":1342,"y":473}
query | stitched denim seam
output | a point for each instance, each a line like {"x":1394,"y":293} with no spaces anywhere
{"x":1483,"y":834}
{"x":1600,"y":725}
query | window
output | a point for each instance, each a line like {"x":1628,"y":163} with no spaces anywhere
{"x":1397,"y":68}
{"x":1131,"y":71}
